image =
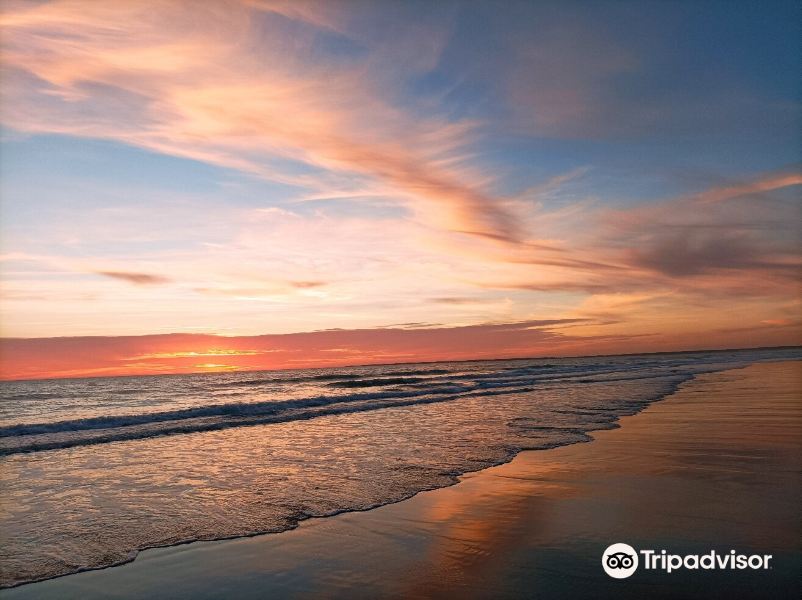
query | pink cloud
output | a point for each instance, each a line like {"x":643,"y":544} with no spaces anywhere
{"x":193,"y":88}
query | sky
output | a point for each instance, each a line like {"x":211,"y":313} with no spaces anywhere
{"x":245,"y":184}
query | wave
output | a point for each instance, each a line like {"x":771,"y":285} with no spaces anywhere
{"x":397,"y":387}
{"x":334,"y":377}
{"x":127,"y":433}
{"x":100,"y":430}
{"x":33,"y":437}
{"x":245,"y":409}
{"x":358,"y":383}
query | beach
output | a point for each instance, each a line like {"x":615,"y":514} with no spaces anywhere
{"x":714,"y":466}
{"x":400,"y":300}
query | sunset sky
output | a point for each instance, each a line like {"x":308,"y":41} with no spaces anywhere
{"x":243,"y":184}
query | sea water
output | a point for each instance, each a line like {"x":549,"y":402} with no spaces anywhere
{"x":95,"y":470}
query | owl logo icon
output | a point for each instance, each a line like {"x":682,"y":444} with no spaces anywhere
{"x":620,"y":561}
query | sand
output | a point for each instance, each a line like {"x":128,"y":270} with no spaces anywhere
{"x":717,"y":465}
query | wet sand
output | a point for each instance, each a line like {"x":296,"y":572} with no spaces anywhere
{"x":718,"y":465}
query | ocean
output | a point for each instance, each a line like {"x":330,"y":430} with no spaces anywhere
{"x":96,"y":470}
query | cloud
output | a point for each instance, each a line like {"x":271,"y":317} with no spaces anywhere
{"x":136,"y":278}
{"x":723,"y":229}
{"x":379,"y":125}
{"x":74,"y":356}
{"x":773,"y":181}
{"x":196,"y":353}
{"x":679,"y":255}
{"x":453,"y":300}
{"x":676,"y":268}
{"x":305,"y":285}
{"x":244,"y":88}
{"x":131,"y":355}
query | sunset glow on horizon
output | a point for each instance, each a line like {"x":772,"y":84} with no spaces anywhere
{"x":258,"y":184}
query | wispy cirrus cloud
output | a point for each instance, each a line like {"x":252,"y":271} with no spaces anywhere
{"x":680,"y":261}
{"x":136,"y":278}
{"x":719,"y":239}
{"x":724,"y":232}
{"x":768,"y":183}
{"x":199,"y":90}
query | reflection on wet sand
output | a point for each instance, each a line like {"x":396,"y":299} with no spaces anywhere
{"x":715,"y":466}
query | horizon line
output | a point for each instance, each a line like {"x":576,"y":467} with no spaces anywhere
{"x":388,"y":364}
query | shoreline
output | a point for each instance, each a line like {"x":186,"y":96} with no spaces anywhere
{"x":456,"y":479}
{"x":514,"y":473}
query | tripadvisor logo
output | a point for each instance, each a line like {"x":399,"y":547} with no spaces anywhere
{"x":621,"y":560}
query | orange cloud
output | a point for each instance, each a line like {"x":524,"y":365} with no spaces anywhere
{"x":77,"y":356}
{"x":195,"y":354}
{"x":194,"y":88}
{"x":106,"y":356}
